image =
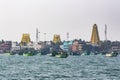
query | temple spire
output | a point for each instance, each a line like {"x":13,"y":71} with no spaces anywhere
{"x":95,"y":36}
{"x":56,"y":38}
{"x":25,"y":39}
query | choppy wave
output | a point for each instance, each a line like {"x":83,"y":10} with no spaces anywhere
{"x":96,"y":67}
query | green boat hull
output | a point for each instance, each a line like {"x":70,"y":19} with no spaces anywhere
{"x":27,"y":54}
{"x":62,"y":55}
{"x":9,"y":53}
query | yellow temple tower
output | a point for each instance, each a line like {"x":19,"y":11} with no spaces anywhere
{"x":95,"y":36}
{"x":56,"y":39}
{"x":25,"y":39}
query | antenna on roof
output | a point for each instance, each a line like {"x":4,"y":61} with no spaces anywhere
{"x":36,"y":34}
{"x":105,"y":32}
{"x":67,"y":36}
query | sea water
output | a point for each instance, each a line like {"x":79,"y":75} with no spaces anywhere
{"x":44,"y":67}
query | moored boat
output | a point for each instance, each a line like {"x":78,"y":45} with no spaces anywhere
{"x":10,"y":53}
{"x":27,"y":54}
{"x":112,"y":54}
{"x":62,"y":55}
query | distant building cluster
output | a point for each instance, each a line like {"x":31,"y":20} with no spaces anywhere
{"x":72,"y":47}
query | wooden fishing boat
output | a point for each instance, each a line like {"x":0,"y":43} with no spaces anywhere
{"x":62,"y":55}
{"x":111,"y":54}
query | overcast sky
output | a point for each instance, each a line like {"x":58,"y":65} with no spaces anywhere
{"x":59,"y":17}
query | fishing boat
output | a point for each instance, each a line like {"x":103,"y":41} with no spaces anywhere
{"x":76,"y":53}
{"x":53,"y":53}
{"x":62,"y":55}
{"x":9,"y":53}
{"x":85,"y":53}
{"x":29,"y":52}
{"x":111,"y":54}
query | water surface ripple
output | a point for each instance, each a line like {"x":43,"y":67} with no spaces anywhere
{"x":95,"y":67}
